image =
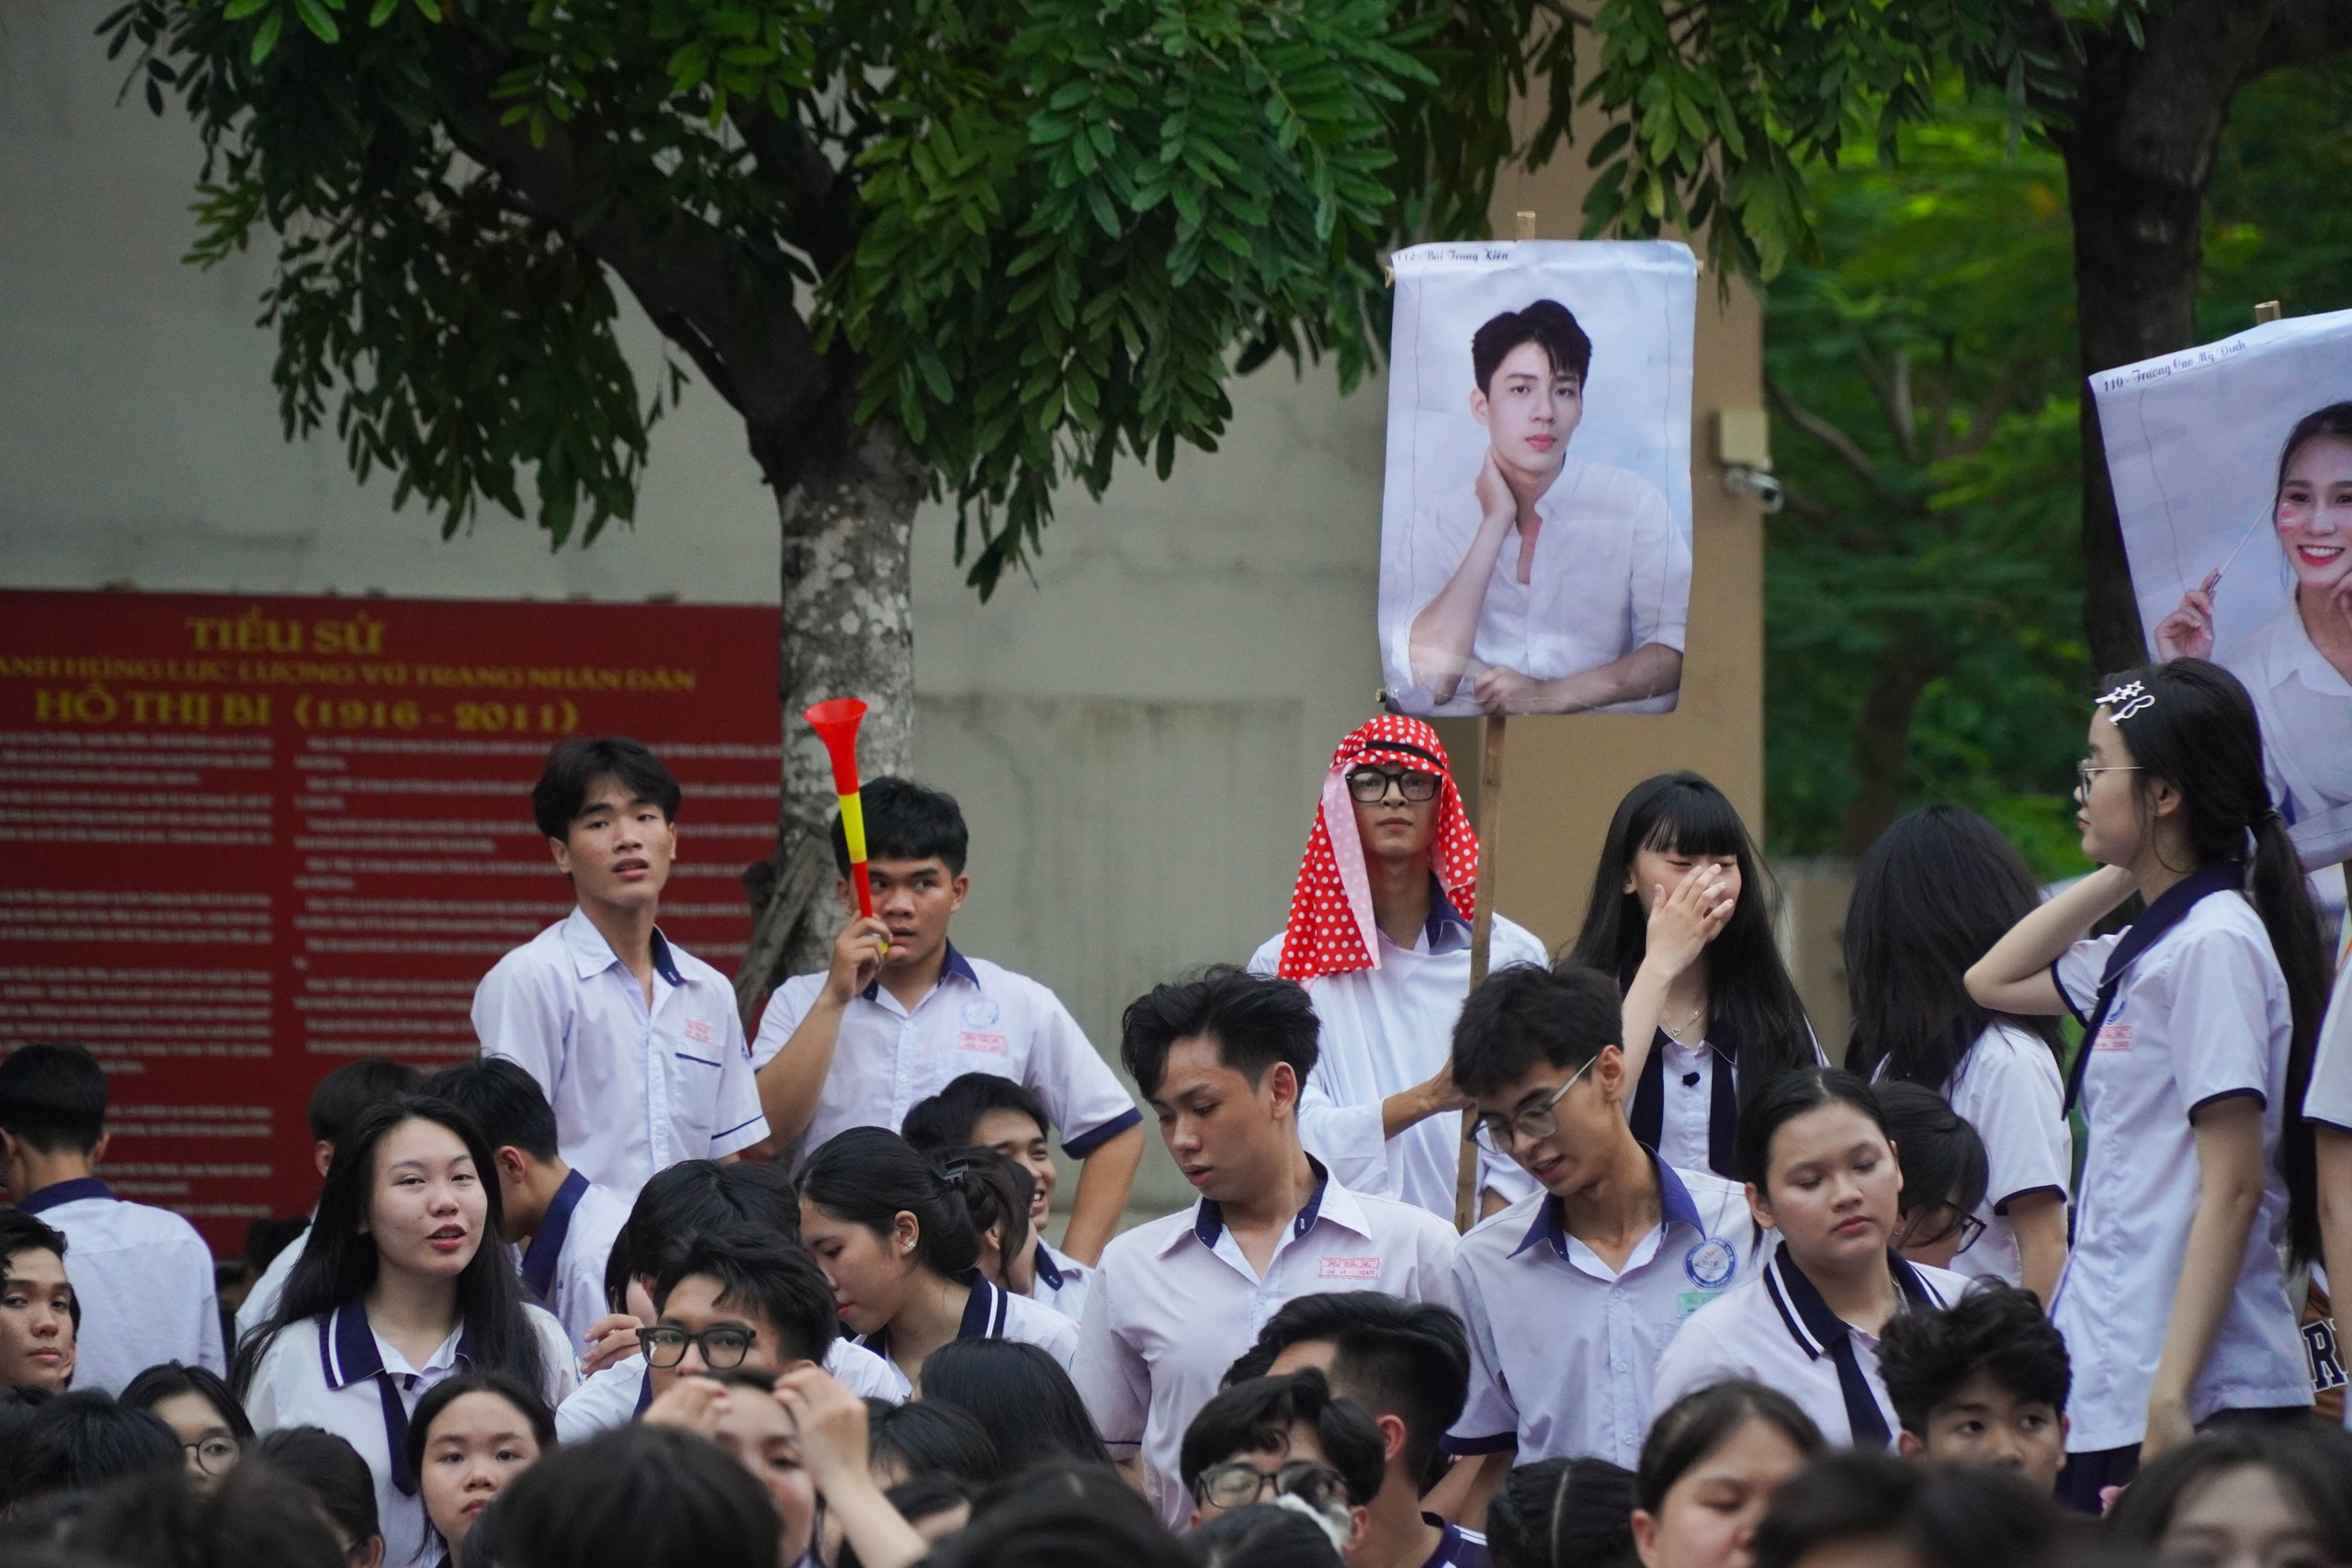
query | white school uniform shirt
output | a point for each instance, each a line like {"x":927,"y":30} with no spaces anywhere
{"x":1611,"y":573}
{"x":2007,"y":1087}
{"x":618,"y":1394}
{"x":564,"y":1266}
{"x":2329,"y":1099}
{"x":144,"y":1278}
{"x":319,"y":1371}
{"x":2201,"y":1015}
{"x":261,"y":1303}
{"x":1383,"y":1031}
{"x":991,"y":1312}
{"x":979,"y":1018}
{"x":1175,"y":1301}
{"x":1062,"y":1282}
{"x":2304,"y":705}
{"x":1753,"y":1331}
{"x":635,"y":1089}
{"x":1564,"y":1349}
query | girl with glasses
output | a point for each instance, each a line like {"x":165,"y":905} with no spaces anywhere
{"x":470,"y":1436}
{"x":1681,"y":914}
{"x":894,"y":1233}
{"x":1931,"y":896}
{"x":1943,"y":1166}
{"x":404,"y":1281}
{"x":2199,"y":1023}
{"x":196,"y":1406}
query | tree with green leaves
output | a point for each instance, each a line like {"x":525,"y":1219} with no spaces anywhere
{"x":922,"y":247}
{"x":1719,"y":111}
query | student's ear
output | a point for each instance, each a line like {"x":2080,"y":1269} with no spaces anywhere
{"x":1761,"y":1206}
{"x":1392,"y":1437}
{"x":322,"y":1155}
{"x":1192,"y":1520}
{"x":98,"y":1149}
{"x":844,"y":894}
{"x":1281,"y":1084}
{"x":1609,"y":1073}
{"x":561,"y":850}
{"x":906,"y":1230}
{"x":514,"y":1165}
{"x":1479,"y":404}
{"x":957,"y":891}
{"x":1908,"y":1445}
{"x":1645,"y":1525}
{"x":2065,"y":1429}
{"x":1359,"y":1526}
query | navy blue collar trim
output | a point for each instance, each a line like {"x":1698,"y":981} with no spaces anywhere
{"x":955,"y":963}
{"x":644,"y":1393}
{"x":1450,"y":1542}
{"x":1446,"y":922}
{"x":349,"y":1352}
{"x":1208,"y":1218}
{"x":1675,"y":1207}
{"x":1047,"y":1273}
{"x":1815,"y":1328}
{"x":69,"y":1191}
{"x":984,"y":1313}
{"x":547,"y":1247}
{"x":2171,"y":908}
{"x":663,"y":962}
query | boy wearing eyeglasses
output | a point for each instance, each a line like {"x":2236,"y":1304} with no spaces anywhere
{"x":727,"y":1301}
{"x":1326,"y":1453}
{"x":1379,"y":934}
{"x":1572,"y":1293}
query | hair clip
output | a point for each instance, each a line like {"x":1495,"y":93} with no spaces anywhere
{"x":2126,"y":700}
{"x":954,"y":1170}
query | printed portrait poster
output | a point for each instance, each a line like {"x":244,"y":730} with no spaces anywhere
{"x":1535,"y":528}
{"x":2232,"y":473}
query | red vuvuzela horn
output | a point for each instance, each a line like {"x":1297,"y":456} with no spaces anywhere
{"x":836,"y":723}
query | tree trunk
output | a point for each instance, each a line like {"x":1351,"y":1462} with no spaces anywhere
{"x":1882,"y":745}
{"x":848,"y":631}
{"x":2145,"y":126}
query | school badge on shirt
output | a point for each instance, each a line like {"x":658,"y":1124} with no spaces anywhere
{"x":1710,"y":1264}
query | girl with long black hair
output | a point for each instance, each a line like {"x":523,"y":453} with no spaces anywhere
{"x":404,"y":1279}
{"x":1681,"y":914}
{"x":893,"y":1230}
{"x":2198,"y":1024}
{"x":1932,"y":897}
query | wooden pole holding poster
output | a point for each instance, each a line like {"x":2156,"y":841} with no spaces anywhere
{"x":1482,"y":924}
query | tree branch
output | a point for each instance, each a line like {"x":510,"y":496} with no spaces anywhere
{"x":819,"y":204}
{"x":2301,"y":33}
{"x":1994,"y":403}
{"x":1843,"y":447}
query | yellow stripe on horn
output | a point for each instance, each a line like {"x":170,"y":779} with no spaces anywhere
{"x":853,"y":825}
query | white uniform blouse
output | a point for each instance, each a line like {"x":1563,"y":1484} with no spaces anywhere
{"x":2200,"y":1016}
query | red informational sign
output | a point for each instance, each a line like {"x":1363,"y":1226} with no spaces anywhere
{"x":255,"y":838}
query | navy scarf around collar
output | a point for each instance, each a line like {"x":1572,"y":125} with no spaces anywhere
{"x":349,"y":1352}
{"x":2172,"y":907}
{"x":546,"y":1247}
{"x":69,"y":1191}
{"x":1648,"y":1112}
{"x":1822,"y":1331}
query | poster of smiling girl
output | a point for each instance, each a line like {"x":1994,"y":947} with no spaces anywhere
{"x":1535,"y":529}
{"x":2232,"y":473}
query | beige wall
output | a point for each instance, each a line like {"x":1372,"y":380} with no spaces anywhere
{"x":1136,"y":737}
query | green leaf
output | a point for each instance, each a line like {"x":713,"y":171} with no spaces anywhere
{"x":265,"y":36}
{"x":319,"y":19}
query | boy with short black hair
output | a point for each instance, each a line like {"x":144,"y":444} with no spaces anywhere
{"x":635,"y":1042}
{"x":1286,"y":1435}
{"x":900,"y":1012}
{"x":983,"y":1110}
{"x":1572,"y":1294}
{"x":143,"y":1276}
{"x":39,"y":1313}
{"x":1220,"y":1059}
{"x":1983,"y":1381}
{"x":563,"y":1222}
{"x":336,"y":1101}
{"x":737,"y":1301}
{"x":1406,"y":1362}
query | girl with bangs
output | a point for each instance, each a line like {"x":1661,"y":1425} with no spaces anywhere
{"x":1681,"y":914}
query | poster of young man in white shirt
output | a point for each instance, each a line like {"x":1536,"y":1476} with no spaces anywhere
{"x":2232,"y":466}
{"x":1535,"y":533}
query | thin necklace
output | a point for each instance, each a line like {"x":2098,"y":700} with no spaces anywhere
{"x":1675,"y":1034}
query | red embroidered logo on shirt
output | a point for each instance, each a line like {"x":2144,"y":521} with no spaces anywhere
{"x":1349,"y":1269}
{"x":972,"y":1041}
{"x":2114,"y":1037}
{"x":701,"y":1033}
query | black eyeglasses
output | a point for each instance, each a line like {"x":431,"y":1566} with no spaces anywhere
{"x":1238,"y":1486}
{"x":1938,"y":1223}
{"x":1500,"y":1135}
{"x":722,"y":1346}
{"x":1371,"y":784}
{"x":213,"y":1456}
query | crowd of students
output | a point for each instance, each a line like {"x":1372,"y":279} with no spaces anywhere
{"x":634,"y":1287}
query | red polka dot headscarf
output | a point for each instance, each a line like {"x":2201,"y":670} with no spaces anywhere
{"x":1331,"y":929}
